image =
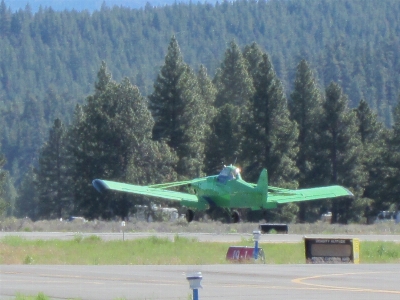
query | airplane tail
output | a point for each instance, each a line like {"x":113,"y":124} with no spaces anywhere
{"x":262,"y":185}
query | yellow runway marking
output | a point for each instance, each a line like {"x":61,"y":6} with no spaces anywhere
{"x":343,"y":288}
{"x":302,"y":283}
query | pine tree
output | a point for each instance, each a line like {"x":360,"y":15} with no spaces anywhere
{"x":10,"y":195}
{"x":3,"y":204}
{"x":270,"y":138}
{"x":5,"y":19}
{"x":392,"y":157}
{"x":196,"y":127}
{"x":54,"y":186}
{"x":233,"y":82}
{"x":234,"y":90}
{"x":208,"y":93}
{"x":103,"y":79}
{"x":163,"y":102}
{"x":180,"y":113}
{"x":27,"y":200}
{"x":223,"y":144}
{"x":306,"y":109}
{"x":270,"y":135}
{"x":373,"y":137}
{"x":341,"y":162}
{"x":77,"y":149}
{"x":109,"y":131}
{"x":29,"y":137}
{"x":253,"y":56}
{"x":152,"y":162}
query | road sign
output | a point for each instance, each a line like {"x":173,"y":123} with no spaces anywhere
{"x":244,"y":254}
{"x":328,"y":250}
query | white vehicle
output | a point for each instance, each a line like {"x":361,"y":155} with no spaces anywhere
{"x":144,"y":213}
{"x":387,"y":216}
{"x":326,"y":217}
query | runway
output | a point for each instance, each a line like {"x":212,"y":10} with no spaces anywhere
{"x":246,"y":281}
{"x":202,"y":237}
{"x":302,"y":282}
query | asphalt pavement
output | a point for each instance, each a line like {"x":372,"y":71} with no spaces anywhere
{"x":233,"y":281}
{"x":202,"y":237}
{"x":247,"y":281}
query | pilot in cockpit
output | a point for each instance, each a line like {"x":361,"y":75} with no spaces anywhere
{"x":236,"y":173}
{"x":233,"y":174}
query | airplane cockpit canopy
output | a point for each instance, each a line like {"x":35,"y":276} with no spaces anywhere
{"x":229,"y":173}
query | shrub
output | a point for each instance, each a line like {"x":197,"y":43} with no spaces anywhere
{"x":78,"y":237}
{"x":28,"y":260}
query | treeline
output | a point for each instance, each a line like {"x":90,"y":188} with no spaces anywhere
{"x":191,"y":124}
{"x":49,"y":59}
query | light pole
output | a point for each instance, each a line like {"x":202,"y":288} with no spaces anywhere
{"x":194,"y":282}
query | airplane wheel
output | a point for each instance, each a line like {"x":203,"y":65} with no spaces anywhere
{"x":235,"y":216}
{"x":189,"y":215}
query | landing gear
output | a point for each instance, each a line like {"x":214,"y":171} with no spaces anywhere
{"x":216,"y":214}
{"x":235,"y":216}
{"x":189,"y":215}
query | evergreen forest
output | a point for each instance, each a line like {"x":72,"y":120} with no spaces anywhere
{"x":307,"y":89}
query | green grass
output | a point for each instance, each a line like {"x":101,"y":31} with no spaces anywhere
{"x":154,"y":251}
{"x":94,"y":251}
{"x":380,"y":252}
{"x":41,"y":296}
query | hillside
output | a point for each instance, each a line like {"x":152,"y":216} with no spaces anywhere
{"x":89,"y":5}
{"x":49,"y":59}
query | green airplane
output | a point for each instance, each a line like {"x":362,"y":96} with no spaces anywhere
{"x":227,"y":190}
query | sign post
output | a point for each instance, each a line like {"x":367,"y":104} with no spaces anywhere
{"x":247,"y":253}
{"x":256,"y":238}
{"x":123,"y":232}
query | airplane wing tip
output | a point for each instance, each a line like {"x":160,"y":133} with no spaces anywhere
{"x":349,"y":193}
{"x":100,"y":185}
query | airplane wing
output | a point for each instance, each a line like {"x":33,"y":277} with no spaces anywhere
{"x":281,"y":196}
{"x":176,"y":183}
{"x":104,"y":185}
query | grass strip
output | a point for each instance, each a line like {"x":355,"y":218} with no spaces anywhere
{"x":161,"y":251}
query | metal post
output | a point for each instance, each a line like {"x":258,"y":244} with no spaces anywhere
{"x":123,"y":231}
{"x":194,"y":282}
{"x":195,"y":294}
{"x":256,"y":237}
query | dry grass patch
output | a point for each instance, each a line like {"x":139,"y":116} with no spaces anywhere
{"x":181,"y":226}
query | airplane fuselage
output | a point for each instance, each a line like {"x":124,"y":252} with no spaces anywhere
{"x":235,"y":193}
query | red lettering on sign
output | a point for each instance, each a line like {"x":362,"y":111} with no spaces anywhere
{"x":240,"y":253}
